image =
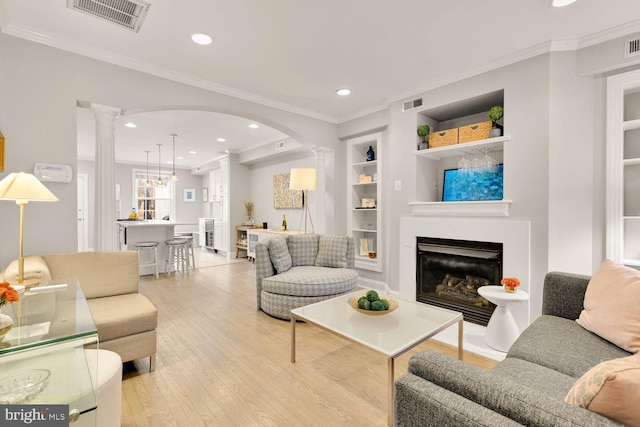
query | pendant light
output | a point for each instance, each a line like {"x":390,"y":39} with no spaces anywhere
{"x":159,"y":181}
{"x":174,"y":177}
{"x":148,"y":183}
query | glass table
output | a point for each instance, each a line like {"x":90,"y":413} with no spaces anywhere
{"x":391,"y":334}
{"x":52,"y":324}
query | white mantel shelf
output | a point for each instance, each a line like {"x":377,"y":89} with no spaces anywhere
{"x":484,"y":208}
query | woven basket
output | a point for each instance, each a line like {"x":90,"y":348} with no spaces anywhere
{"x":443,"y":137}
{"x":475,"y":132}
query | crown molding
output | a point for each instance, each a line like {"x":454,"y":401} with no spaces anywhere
{"x":609,"y":34}
{"x":145,"y":67}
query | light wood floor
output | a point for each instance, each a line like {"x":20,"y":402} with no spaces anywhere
{"x":221,"y":362}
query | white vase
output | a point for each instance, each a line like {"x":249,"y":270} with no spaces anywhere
{"x":6,"y":323}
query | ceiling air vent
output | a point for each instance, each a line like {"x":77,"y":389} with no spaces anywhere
{"x":129,"y":14}
{"x":279,"y":145}
{"x":411,"y":104}
{"x":632,"y":47}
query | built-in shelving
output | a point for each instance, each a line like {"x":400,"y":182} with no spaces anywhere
{"x":456,"y":150}
{"x":364,"y":225}
{"x":623,"y":168}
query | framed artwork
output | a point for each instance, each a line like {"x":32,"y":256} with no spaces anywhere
{"x":189,"y":195}
{"x":205,"y":194}
{"x":283,"y":198}
{"x":368,"y":202}
{"x":364,"y":247}
{"x":1,"y":152}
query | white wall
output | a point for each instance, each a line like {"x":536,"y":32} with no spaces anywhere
{"x":261,"y":185}
{"x":38,"y":97}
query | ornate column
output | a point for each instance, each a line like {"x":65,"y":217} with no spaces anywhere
{"x":105,"y":228}
{"x":323,"y":210}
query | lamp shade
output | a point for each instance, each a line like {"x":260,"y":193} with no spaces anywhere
{"x":24,"y":186}
{"x":302,"y":179}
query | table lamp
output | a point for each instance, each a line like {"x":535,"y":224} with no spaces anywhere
{"x":303,"y":179}
{"x":23,"y":188}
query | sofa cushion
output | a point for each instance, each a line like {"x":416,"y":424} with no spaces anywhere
{"x":123,"y":315}
{"x":101,"y":274}
{"x":332,"y":251}
{"x":546,"y":340}
{"x":311,"y":281}
{"x":303,"y":248}
{"x":279,"y":253}
{"x":548,"y":381}
{"x":612,"y":389}
{"x":35,"y":267}
{"x":611,"y":305}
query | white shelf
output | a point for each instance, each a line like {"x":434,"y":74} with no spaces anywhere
{"x":632,"y":262}
{"x":362,"y":230}
{"x":630,"y":162}
{"x":369,"y":163}
{"x":631,"y":217}
{"x":365,"y":210}
{"x":360,"y":184}
{"x":495,"y":144}
{"x":631,"y":124}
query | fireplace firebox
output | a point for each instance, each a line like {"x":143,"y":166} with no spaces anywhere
{"x":449,"y":273}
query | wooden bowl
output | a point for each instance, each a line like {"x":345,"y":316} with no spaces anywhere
{"x":393,"y":304}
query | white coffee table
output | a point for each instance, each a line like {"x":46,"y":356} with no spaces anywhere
{"x":392,"y":334}
{"x":502,"y":330}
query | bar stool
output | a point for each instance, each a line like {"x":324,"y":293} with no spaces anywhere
{"x":189,"y":248}
{"x":176,"y":255}
{"x":140,"y":246}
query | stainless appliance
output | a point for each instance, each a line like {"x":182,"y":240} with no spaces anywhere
{"x":208,"y":234}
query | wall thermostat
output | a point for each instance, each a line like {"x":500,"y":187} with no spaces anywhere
{"x":53,"y":173}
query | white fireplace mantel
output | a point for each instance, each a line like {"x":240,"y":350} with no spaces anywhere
{"x":484,"y":208}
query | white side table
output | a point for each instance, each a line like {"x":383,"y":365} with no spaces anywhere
{"x":502,"y":330}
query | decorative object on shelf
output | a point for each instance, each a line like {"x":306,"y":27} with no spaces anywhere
{"x":364,"y":247}
{"x":371,"y":155}
{"x":24,"y":187}
{"x":423,"y":132}
{"x":283,"y":196}
{"x":284,"y":222}
{"x":510,"y":284}
{"x":371,"y":246}
{"x":474,"y":132}
{"x":443,"y":137}
{"x":371,"y":304}
{"x":174,"y":177}
{"x":368,"y":202}
{"x":304,"y":179}
{"x":495,"y":114}
{"x":24,"y":386}
{"x":364,"y":179}
{"x":248,"y":211}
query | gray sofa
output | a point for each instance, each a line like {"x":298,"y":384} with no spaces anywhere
{"x":319,"y":267}
{"x":527,"y":388}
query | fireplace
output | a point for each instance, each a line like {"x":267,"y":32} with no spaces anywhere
{"x":449,"y":272}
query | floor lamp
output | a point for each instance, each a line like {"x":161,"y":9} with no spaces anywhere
{"x":23,"y":188}
{"x":303,"y":179}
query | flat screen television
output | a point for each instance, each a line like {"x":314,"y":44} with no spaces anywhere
{"x":461,"y":186}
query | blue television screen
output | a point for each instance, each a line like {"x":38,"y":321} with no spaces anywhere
{"x":465,"y":186}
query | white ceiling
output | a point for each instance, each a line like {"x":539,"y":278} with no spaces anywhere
{"x":294,"y":54}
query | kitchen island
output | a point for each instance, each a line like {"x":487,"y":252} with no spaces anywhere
{"x":132,"y":231}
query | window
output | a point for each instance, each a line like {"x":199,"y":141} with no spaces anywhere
{"x":151,"y":200}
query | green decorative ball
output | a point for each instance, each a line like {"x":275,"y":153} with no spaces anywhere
{"x":386,"y":303}
{"x":372,"y":296}
{"x":377,"y":306}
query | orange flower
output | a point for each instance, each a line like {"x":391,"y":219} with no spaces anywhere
{"x":511,"y":282}
{"x":7,"y":294}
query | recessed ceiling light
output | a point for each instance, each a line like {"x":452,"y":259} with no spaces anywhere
{"x":343,"y":92}
{"x":562,"y":3}
{"x":254,"y":126}
{"x":180,"y":158}
{"x":221,"y":140}
{"x":193,"y":152}
{"x":131,"y":125}
{"x":202,"y":39}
